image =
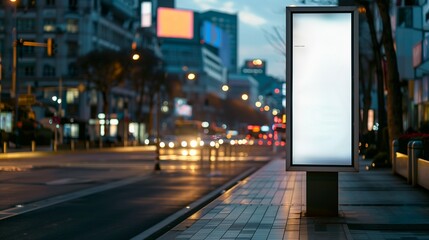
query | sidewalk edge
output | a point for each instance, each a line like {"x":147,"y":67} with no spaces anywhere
{"x":171,"y":221}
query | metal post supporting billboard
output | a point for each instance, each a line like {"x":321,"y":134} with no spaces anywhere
{"x":322,"y":99}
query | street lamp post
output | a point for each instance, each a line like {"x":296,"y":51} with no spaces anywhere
{"x":191,"y":77}
{"x":14,"y":54}
{"x":158,"y":140}
{"x":13,"y":92}
{"x":135,"y":57}
{"x":125,"y":124}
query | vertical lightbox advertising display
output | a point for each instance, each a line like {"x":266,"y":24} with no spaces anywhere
{"x":322,"y":89}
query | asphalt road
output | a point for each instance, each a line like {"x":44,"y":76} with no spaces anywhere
{"x":104,"y":195}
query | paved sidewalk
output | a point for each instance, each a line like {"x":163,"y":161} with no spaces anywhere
{"x":271,"y":204}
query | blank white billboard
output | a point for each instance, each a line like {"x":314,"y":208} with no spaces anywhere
{"x":322,"y":89}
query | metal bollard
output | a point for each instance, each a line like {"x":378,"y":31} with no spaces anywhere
{"x":33,"y":146}
{"x":72,"y":146}
{"x":395,"y":147}
{"x":86,"y":144}
{"x":4,"y":147}
{"x":54,"y":147}
{"x":414,"y":152}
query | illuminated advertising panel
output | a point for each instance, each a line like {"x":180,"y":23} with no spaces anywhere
{"x":322,"y":89}
{"x":6,"y":121}
{"x":182,"y":108}
{"x":254,"y":66}
{"x":211,"y":34}
{"x":146,"y":14}
{"x":175,"y":23}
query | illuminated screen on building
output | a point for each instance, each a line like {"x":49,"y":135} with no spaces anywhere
{"x":182,"y":108}
{"x":254,"y":66}
{"x":174,"y":23}
{"x":322,"y":89}
{"x":146,"y":14}
{"x":211,"y":34}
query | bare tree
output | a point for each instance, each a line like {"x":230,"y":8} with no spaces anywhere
{"x":147,"y":75}
{"x":105,"y":69}
{"x":141,"y":73}
{"x":394,"y":97}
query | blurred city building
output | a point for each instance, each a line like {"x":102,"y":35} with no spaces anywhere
{"x":222,"y":32}
{"x":412,"y":42}
{"x":239,"y":85}
{"x":271,"y":91}
{"x":76,"y":28}
{"x":197,"y":48}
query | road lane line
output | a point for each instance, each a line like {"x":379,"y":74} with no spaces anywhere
{"x":20,"y":209}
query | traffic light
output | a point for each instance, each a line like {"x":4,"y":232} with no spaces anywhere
{"x":51,"y":47}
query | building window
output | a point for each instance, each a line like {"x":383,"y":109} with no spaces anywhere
{"x":26,"y":25}
{"x":49,"y":24}
{"x":405,"y":17}
{"x":50,"y":3}
{"x":72,"y":49}
{"x":32,"y":4}
{"x":26,"y":51}
{"x":48,"y":71}
{"x":72,"y":5}
{"x":72,"y":69}
{"x":72,"y":25}
{"x":28,"y":71}
{"x":72,"y":96}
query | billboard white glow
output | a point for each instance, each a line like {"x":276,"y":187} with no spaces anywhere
{"x":146,"y":14}
{"x":322,"y":94}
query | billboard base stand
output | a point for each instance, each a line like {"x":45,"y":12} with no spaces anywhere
{"x":322,"y":194}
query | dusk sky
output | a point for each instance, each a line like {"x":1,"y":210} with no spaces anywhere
{"x":256,"y":20}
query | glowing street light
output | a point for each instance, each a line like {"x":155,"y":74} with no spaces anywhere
{"x":191,"y":76}
{"x":244,"y":96}
{"x":225,"y":88}
{"x":267,"y":108}
{"x":275,"y":112}
{"x":136,"y":56}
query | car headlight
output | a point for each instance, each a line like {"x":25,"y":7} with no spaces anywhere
{"x":193,"y":143}
{"x":171,"y":144}
{"x":162,"y":144}
{"x":184,"y":144}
